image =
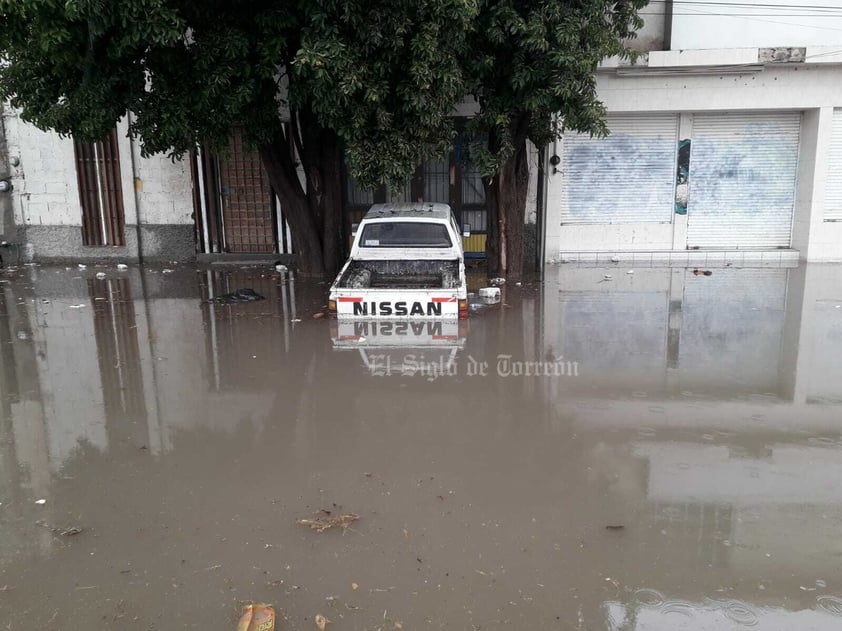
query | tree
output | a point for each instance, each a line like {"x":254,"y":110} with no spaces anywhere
{"x":532,"y":65}
{"x":378,"y":78}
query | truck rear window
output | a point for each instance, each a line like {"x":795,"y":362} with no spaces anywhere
{"x":405,"y":234}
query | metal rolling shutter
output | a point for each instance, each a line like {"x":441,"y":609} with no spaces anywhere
{"x":833,"y":195}
{"x":628,"y":177}
{"x":742,"y":180}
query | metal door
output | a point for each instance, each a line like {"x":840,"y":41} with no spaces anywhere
{"x":628,"y":177}
{"x":249,"y":215}
{"x":743,"y":170}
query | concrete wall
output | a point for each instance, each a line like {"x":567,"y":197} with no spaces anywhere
{"x":728,"y":23}
{"x":651,"y":35}
{"x":45,"y":206}
{"x":164,"y":189}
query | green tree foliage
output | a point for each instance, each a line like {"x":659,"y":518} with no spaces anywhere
{"x":378,"y":77}
{"x":386,"y":77}
{"x":531,"y":65}
{"x":375,"y":78}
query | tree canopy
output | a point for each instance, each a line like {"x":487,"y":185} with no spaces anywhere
{"x":531,"y":65}
{"x":383,"y":74}
{"x":378,"y":79}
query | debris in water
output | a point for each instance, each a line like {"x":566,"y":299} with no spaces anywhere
{"x":241,"y":295}
{"x":699,"y":272}
{"x":496,"y":282}
{"x":323,"y":521}
{"x":318,"y":314}
{"x":41,"y":502}
{"x":76,"y":307}
{"x":606,"y":278}
{"x":354,"y":586}
{"x":615,"y":527}
{"x":82,"y":266}
{"x":69,"y":532}
{"x":100,"y":275}
{"x":122,"y":266}
{"x":321,"y":622}
{"x":280,"y":268}
{"x":257,"y":617}
{"x":63,"y":532}
{"x":631,"y":271}
{"x":166,"y":271}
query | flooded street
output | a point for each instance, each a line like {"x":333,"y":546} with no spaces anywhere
{"x":656,"y":450}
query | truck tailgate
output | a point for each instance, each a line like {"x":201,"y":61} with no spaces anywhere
{"x":397,"y":303}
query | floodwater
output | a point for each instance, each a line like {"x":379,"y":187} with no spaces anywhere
{"x":658,"y":450}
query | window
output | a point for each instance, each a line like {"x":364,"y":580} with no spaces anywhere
{"x":100,"y":192}
{"x":405,"y":234}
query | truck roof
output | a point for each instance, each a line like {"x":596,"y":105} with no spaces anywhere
{"x":432,"y":210}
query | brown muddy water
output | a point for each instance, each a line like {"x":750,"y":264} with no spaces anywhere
{"x":657,"y":450}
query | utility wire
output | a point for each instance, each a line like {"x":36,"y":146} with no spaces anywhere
{"x":699,"y":13}
{"x":749,"y":5}
{"x":759,"y":15}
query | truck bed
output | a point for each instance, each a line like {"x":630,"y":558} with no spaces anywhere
{"x":401,"y":274}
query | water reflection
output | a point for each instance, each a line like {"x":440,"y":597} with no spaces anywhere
{"x":403,"y":348}
{"x":702,"y":422}
{"x":662,"y":614}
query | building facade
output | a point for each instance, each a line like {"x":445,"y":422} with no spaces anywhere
{"x":726,"y":142}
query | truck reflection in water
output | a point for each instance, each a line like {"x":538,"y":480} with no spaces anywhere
{"x":427,"y":348}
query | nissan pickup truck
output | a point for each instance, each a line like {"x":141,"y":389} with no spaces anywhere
{"x":406,"y":262}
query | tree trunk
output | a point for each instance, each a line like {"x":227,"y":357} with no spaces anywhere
{"x":505,"y":197}
{"x":333,"y":248}
{"x":283,"y":176}
{"x":315,"y":214}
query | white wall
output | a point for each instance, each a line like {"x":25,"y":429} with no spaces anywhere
{"x":772,"y":23}
{"x":776,"y":87}
{"x":164,"y":189}
{"x":45,"y":188}
{"x":651,"y":35}
{"x":156,"y":190}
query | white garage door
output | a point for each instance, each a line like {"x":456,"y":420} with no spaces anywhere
{"x":742,"y":180}
{"x":628,"y":177}
{"x":833,"y":196}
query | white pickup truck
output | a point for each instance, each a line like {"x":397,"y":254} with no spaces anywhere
{"x":406,"y":262}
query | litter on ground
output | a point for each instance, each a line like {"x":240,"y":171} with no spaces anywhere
{"x":324,"y":521}
{"x":257,"y":617}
